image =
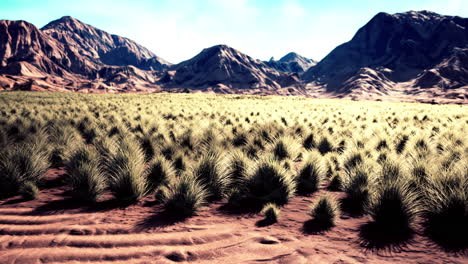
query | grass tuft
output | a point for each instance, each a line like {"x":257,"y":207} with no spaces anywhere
{"x":85,"y":174}
{"x":325,"y":211}
{"x":184,"y":197}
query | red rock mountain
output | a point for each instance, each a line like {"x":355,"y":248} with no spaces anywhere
{"x":70,"y":55}
{"x":407,"y":56}
{"x":101,"y":47}
{"x":407,"y":53}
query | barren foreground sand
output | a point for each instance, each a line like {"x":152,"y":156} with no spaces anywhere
{"x":54,"y":229}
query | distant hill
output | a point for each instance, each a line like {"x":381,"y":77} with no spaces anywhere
{"x":291,"y":62}
{"x":224,"y":68}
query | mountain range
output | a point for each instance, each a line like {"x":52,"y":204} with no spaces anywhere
{"x":411,"y":56}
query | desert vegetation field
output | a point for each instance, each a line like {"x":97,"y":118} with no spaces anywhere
{"x":403,"y":167}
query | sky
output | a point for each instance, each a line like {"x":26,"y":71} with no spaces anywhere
{"x":177,"y":30}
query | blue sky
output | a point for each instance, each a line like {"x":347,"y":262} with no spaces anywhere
{"x":178,"y":29}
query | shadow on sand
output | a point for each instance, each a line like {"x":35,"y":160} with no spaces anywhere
{"x":313,"y":227}
{"x":69,"y":203}
{"x":377,"y":237}
{"x":159,"y":220}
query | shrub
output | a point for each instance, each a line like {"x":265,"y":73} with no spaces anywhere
{"x":127,"y":174}
{"x":85,"y":174}
{"x":391,"y":171}
{"x":184,"y":196}
{"x":401,"y":144}
{"x":382,"y":145}
{"x":311,"y":174}
{"x":240,"y":139}
{"x":211,"y":173}
{"x":325,"y":211}
{"x":271,"y":212}
{"x":179,"y":163}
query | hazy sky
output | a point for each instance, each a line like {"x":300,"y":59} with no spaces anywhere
{"x":177,"y":30}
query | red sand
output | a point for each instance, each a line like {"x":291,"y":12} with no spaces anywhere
{"x":54,"y":230}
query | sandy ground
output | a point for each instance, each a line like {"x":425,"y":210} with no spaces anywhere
{"x":53,"y":229}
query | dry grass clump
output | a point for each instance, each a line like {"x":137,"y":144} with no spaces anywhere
{"x":22,"y":166}
{"x":184,"y":196}
{"x":446,"y":208}
{"x":394,"y":209}
{"x":311,"y":174}
{"x":127,"y":172}
{"x":325,"y":211}
{"x":160,"y":173}
{"x":211,"y":173}
{"x":358,"y":190}
{"x":271,"y":213}
{"x":85,"y":175}
{"x":270,"y":183}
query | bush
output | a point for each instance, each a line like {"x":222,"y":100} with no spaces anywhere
{"x":127,"y":173}
{"x":240,"y":139}
{"x":179,"y":163}
{"x":271,"y":212}
{"x":184,"y":196}
{"x":85,"y":174}
{"x":325,"y":211}
{"x":211,"y":173}
{"x":311,"y":174}
{"x":392,"y":171}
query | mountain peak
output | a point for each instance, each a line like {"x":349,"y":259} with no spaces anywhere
{"x":289,"y":57}
{"x":291,"y":62}
{"x":64,"y":22}
{"x":219,"y":48}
